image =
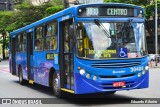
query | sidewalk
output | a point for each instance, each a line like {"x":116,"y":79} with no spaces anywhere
{"x":153,"y":64}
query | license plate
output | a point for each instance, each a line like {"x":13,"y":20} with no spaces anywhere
{"x":118,"y":84}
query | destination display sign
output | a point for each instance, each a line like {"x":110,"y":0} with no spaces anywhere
{"x":117,"y":11}
{"x":105,"y":11}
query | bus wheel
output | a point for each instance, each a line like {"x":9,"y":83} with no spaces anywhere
{"x":56,"y":86}
{"x":21,"y":80}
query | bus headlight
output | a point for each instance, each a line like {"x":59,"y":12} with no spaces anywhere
{"x":143,"y":72}
{"x":147,"y":68}
{"x":88,"y":76}
{"x":94,"y":78}
{"x":139,"y":74}
{"x":82,"y":71}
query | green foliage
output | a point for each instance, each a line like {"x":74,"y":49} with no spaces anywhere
{"x":18,"y":1}
{"x":115,"y":1}
{"x":135,"y":2}
{"x":27,"y":13}
{"x":57,"y":2}
{"x":5,"y":18}
{"x":55,"y":9}
{"x":150,"y":10}
{"x":23,"y":15}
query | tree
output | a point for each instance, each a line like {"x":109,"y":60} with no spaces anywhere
{"x":55,"y":9}
{"x":19,"y":1}
{"x":4,"y":22}
{"x":136,"y":2}
{"x":24,"y":14}
{"x":27,"y":13}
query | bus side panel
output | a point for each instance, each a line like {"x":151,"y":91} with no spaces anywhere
{"x":41,"y":68}
{"x":40,"y":72}
{"x":10,"y":62}
{"x":21,"y":61}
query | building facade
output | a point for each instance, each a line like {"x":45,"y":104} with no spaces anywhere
{"x":38,"y":2}
{"x":6,"y":5}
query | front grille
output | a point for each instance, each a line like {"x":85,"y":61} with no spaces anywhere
{"x":128,"y":75}
{"x":122,"y":76}
{"x":116,"y":64}
{"x":108,"y":76}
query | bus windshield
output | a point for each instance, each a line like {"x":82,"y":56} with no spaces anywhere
{"x":104,"y":40}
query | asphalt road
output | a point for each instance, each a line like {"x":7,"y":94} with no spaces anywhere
{"x":10,"y":88}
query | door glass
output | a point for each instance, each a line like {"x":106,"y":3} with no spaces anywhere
{"x":29,"y":55}
{"x":68,"y":57}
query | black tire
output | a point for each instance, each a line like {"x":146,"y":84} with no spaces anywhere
{"x":111,"y":92}
{"x":56,"y":87}
{"x":21,"y":80}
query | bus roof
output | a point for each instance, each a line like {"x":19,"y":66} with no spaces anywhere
{"x":70,"y":10}
{"x":112,"y":4}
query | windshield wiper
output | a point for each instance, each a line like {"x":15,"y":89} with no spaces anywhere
{"x":101,"y":26}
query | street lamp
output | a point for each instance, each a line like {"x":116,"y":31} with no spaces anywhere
{"x":156,"y":37}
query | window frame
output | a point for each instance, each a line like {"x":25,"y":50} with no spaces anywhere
{"x":53,"y":35}
{"x":41,"y":38}
{"x":24,"y":42}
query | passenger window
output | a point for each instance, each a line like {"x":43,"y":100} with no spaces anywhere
{"x":24,"y":42}
{"x":39,"y":41}
{"x":19,"y":43}
{"x":51,"y":36}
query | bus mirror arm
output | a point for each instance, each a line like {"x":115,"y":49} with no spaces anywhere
{"x":74,"y":37}
{"x":74,"y":41}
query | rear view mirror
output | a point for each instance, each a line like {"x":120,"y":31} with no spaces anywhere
{"x":112,"y":33}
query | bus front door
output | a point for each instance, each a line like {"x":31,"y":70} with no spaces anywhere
{"x":66,"y":55}
{"x":29,"y":57}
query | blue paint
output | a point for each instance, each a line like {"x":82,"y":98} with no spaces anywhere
{"x":55,"y":58}
{"x":103,"y":84}
{"x":40,"y":66}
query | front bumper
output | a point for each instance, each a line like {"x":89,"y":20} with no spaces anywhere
{"x":84,"y":85}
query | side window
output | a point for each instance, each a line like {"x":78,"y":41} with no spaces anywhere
{"x":39,"y":41}
{"x":24,"y":42}
{"x":18,"y":44}
{"x":66,"y":37}
{"x":51,"y":36}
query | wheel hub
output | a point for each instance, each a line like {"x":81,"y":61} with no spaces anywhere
{"x":56,"y":85}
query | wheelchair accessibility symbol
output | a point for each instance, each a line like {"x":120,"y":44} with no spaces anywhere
{"x":122,"y":52}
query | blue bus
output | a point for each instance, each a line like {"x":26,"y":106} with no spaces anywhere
{"x":88,"y":48}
